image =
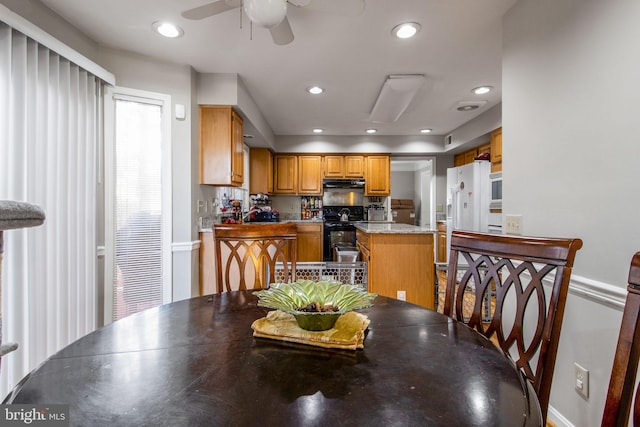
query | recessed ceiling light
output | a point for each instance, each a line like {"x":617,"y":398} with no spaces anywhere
{"x":425,"y":130}
{"x":315,"y":90}
{"x":468,"y":107}
{"x":406,"y":30}
{"x":167,"y":29}
{"x":371,"y":130}
{"x":481,"y":90}
{"x":318,"y":130}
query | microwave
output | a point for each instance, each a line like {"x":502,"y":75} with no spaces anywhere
{"x":496,"y":190}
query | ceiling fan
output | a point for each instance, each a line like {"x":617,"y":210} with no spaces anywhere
{"x":272,"y":14}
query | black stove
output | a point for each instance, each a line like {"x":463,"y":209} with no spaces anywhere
{"x":333,"y":214}
{"x":337,"y":231}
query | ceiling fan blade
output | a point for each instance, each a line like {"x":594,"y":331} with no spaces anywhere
{"x":282,"y":33}
{"x":210,"y":9}
{"x":341,"y":7}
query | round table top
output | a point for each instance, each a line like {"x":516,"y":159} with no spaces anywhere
{"x":195,"y":362}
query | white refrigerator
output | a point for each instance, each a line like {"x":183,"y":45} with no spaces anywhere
{"x":468,"y":198}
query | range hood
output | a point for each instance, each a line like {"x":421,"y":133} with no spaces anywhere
{"x":343,"y":183}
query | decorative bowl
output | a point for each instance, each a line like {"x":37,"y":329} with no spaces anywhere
{"x":315,"y":305}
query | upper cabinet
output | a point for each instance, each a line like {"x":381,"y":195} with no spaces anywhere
{"x":260,"y":171}
{"x":221,"y":146}
{"x":309,"y":175}
{"x":285,"y":169}
{"x":344,"y":166}
{"x":377,"y":175}
{"x":496,"y":150}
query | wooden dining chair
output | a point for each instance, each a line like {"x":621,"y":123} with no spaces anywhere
{"x":247,"y":254}
{"x":496,"y":285}
{"x":622,"y":383}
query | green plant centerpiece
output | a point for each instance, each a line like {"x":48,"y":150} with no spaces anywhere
{"x":315,"y":305}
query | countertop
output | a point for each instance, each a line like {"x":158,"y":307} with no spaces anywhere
{"x":302,"y":221}
{"x":392,"y":228}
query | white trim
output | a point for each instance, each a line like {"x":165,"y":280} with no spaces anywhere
{"x":185,"y":246}
{"x":100,"y":251}
{"x":558,"y":418}
{"x":27,"y":28}
{"x":600,"y":292}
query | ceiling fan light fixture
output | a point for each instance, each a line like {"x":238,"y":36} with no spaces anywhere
{"x":167,"y":29}
{"x":266,"y":13}
{"x":315,"y":90}
{"x":406,"y":30}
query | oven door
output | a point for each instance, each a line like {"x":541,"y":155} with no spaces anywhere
{"x":335,"y":233}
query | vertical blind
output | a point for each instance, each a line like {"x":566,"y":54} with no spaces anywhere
{"x":50,"y":125}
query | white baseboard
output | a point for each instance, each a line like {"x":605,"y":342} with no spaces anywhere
{"x":557,"y":418}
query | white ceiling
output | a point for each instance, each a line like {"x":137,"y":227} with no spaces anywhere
{"x":459,"y":48}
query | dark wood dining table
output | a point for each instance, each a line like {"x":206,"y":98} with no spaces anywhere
{"x":196,"y":363}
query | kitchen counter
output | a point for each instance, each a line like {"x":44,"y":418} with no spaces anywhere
{"x":251,"y":223}
{"x":399,"y":261}
{"x":392,"y":228}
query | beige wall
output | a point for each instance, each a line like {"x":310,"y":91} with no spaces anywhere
{"x":571,"y":166}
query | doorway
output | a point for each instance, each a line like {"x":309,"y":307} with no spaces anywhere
{"x":137,"y":202}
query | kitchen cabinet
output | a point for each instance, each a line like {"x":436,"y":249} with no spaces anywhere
{"x":260,"y":171}
{"x":496,"y":150}
{"x":398,"y":262}
{"x":207,"y":264}
{"x":309,"y":242}
{"x":442,"y":241}
{"x":221,"y":146}
{"x":377,"y":175}
{"x":285,"y":171}
{"x":334,"y":166}
{"x":344,"y":166}
{"x":468,"y":156}
{"x":309,"y":175}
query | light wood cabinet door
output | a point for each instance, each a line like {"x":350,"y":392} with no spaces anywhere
{"x":237,"y":148}
{"x":333,"y":166}
{"x":496,"y":150}
{"x":285,"y":169}
{"x":353,"y":166}
{"x":399,"y":262}
{"x":221,"y":146}
{"x":260,"y":171}
{"x":377,"y":175}
{"x":458,"y":160}
{"x":470,"y":155}
{"x":309,"y":175}
{"x":309,"y":242}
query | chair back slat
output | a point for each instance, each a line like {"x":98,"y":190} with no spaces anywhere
{"x":247,"y":255}
{"x":496,"y":285}
{"x":622,"y":383}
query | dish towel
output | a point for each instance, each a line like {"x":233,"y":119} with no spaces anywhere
{"x":347,"y":333}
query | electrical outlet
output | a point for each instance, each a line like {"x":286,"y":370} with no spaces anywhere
{"x":514,"y":224}
{"x":581,"y":381}
{"x":402,"y":295}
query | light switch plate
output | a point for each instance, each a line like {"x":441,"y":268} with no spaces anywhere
{"x":581,"y":381}
{"x":513,"y":224}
